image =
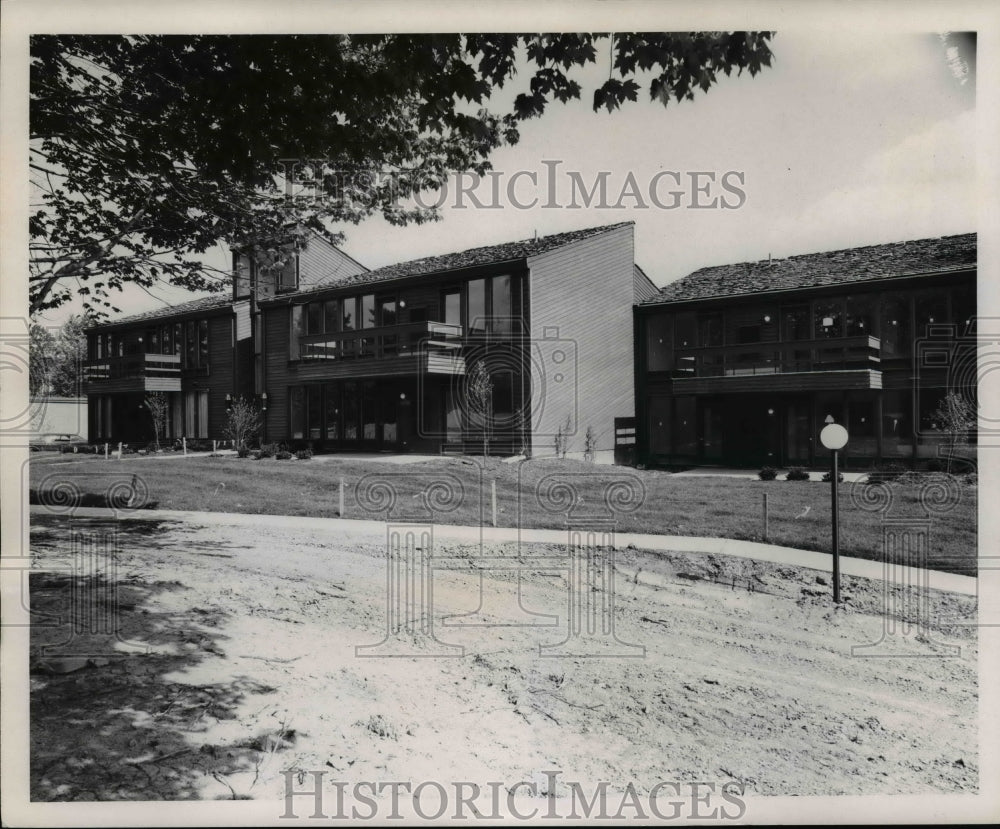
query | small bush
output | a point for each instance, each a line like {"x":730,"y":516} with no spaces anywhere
{"x":768,"y":473}
{"x":268,"y":450}
{"x":255,"y":455}
{"x":797,"y":473}
{"x":970,"y":479}
{"x":283,"y":455}
{"x":935,"y":465}
{"x":243,"y":452}
{"x":304,"y":454}
{"x":827,"y":477}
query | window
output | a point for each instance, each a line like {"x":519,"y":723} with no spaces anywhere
{"x":963,"y":308}
{"x":367,"y":312}
{"x":710,"y":329}
{"x":288,"y":276}
{"x":659,"y":350}
{"x":860,"y":316}
{"x":332,"y":394}
{"x":191,"y":352}
{"x":931,"y":308}
{"x":352,"y":412}
{"x":453,"y":308}
{"x":748,"y":334}
{"x":296,"y":328}
{"x":243,"y":276}
{"x":314,"y":411}
{"x":895,"y":326}
{"x":418,"y":314}
{"x":896,"y":416}
{"x":659,"y":424}
{"x":861,"y":418}
{"x":347,"y":315}
{"x":828,"y":316}
{"x":387,"y":317}
{"x":795,"y":322}
{"x":685,"y":331}
{"x":203,"y":343}
{"x":476,"y":310}
{"x":500,"y":314}
{"x":503,"y":398}
{"x":296,"y":411}
{"x":178,"y":339}
{"x":685,"y":426}
{"x":368,"y":409}
{"x":314,"y":318}
{"x":330,"y":316}
{"x":166,"y":339}
{"x":152,"y":340}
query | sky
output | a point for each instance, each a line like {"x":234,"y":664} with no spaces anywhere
{"x":850,"y":138}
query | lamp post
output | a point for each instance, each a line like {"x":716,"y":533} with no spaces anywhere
{"x":834,"y":438}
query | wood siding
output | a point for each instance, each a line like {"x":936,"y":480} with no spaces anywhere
{"x":642,"y":287}
{"x":585,"y":292}
{"x":320,"y":262}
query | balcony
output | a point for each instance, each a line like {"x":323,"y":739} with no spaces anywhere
{"x":394,"y":350}
{"x":800,"y":365}
{"x":134,"y":373}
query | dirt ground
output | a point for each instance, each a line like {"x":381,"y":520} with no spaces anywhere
{"x":229,"y":658}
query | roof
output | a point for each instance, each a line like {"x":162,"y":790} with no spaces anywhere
{"x":811,"y":270}
{"x":201,"y":305}
{"x":473,"y":257}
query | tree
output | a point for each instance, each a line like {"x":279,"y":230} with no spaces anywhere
{"x":159,"y":406}
{"x":147,"y":150}
{"x":56,"y":359}
{"x":956,"y":416}
{"x":479,"y":396}
{"x":243,"y":423}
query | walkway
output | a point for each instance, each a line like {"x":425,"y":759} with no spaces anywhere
{"x":368,"y":531}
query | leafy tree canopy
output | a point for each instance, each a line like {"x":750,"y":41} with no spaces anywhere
{"x":147,"y":150}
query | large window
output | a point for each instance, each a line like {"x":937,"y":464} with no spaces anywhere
{"x":930,"y":308}
{"x":367,"y":312}
{"x":203,"y":343}
{"x":314,"y":411}
{"x":710,"y":329}
{"x":659,"y":348}
{"x":685,"y":426}
{"x":860,"y":316}
{"x":795,"y":322}
{"x":501,"y":310}
{"x":348,"y":314}
{"x":191,"y":351}
{"x":332,"y":411}
{"x":452,"y":302}
{"x":829,"y":319}
{"x":476,"y":310}
{"x":314,"y":318}
{"x":685,"y":331}
{"x":297,"y":411}
{"x":895,"y":326}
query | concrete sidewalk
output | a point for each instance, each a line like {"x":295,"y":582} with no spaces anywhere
{"x":367,"y":530}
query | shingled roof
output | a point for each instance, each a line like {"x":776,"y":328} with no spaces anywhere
{"x":488,"y":255}
{"x":203,"y":304}
{"x":817,"y":269}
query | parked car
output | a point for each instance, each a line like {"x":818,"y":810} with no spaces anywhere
{"x":57,"y":442}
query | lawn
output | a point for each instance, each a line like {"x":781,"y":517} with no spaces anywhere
{"x":532,"y":494}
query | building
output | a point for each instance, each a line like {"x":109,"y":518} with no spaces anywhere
{"x":342,"y":358}
{"x":384,"y":360}
{"x":743,"y":364}
{"x":201,"y":353}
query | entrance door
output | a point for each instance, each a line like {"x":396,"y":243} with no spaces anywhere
{"x":797,"y":432}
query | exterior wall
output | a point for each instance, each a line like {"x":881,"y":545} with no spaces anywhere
{"x":320,"y":262}
{"x":691,"y":411}
{"x":642,"y":287}
{"x":65,"y":415}
{"x":585,"y":292}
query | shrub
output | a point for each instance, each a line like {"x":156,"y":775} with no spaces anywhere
{"x":827,"y":477}
{"x":304,"y":454}
{"x":268,"y":450}
{"x":283,"y":455}
{"x":255,"y":455}
{"x":797,"y":473}
{"x":243,"y":452}
{"x":935,"y":465}
{"x":768,"y":473}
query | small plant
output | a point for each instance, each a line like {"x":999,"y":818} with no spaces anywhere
{"x":935,"y":465}
{"x":283,"y":455}
{"x":243,"y":422}
{"x":797,"y":473}
{"x":768,"y":473}
{"x":158,"y":405}
{"x":561,"y":439}
{"x":243,"y":452}
{"x":827,"y":477}
{"x":590,"y":444}
{"x":255,"y":455}
{"x":268,"y":450}
{"x":304,"y":454}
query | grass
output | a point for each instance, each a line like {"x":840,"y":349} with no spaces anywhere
{"x":799,"y":511}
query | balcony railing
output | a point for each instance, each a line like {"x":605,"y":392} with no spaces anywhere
{"x":133,"y":367}
{"x":797,"y":356}
{"x":388,"y":342}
